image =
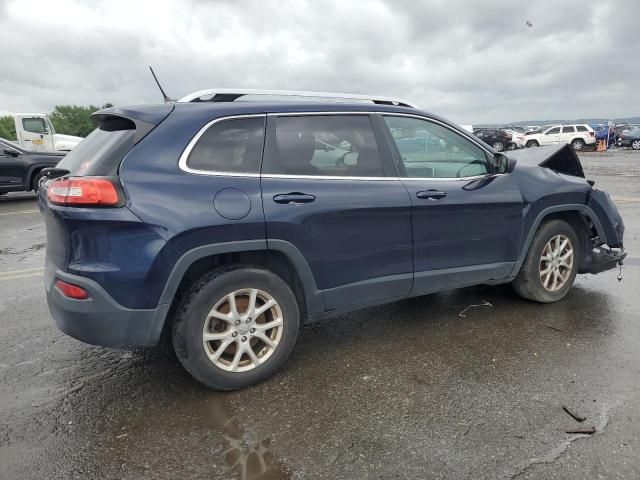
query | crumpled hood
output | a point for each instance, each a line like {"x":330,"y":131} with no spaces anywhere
{"x":559,"y":158}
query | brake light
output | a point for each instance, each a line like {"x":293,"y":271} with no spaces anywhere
{"x":592,"y":133}
{"x":83,"y":191}
{"x":71,"y":291}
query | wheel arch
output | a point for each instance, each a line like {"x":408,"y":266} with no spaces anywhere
{"x":31,"y":173}
{"x":277,"y":256}
{"x":582,"y":218}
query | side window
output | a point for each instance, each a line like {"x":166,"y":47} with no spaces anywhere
{"x":568,"y":130}
{"x":580,"y":128}
{"x":34,"y":125}
{"x":553,"y":131}
{"x":324,"y":145}
{"x":429,"y":150}
{"x":233,"y":145}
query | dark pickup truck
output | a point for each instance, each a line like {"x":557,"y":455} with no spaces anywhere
{"x":21,"y":169}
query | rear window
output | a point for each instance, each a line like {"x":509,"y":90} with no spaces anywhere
{"x":233,"y":146}
{"x":99,"y":154}
{"x":580,"y":128}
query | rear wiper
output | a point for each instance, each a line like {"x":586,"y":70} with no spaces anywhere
{"x":54,"y":172}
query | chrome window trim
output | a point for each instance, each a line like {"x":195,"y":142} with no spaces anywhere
{"x":182,"y":162}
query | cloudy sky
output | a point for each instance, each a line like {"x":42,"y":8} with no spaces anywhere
{"x":473,"y":61}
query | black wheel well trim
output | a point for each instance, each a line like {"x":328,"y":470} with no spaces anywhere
{"x":33,"y":169}
{"x":313,"y":298}
{"x":569,"y":208}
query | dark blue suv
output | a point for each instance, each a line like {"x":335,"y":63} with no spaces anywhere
{"x":227,"y":224}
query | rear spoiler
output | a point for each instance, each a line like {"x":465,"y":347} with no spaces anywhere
{"x":142,"y":119}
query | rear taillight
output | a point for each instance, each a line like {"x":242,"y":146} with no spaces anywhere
{"x":592,"y":134}
{"x":86,"y":191}
{"x":70,"y":290}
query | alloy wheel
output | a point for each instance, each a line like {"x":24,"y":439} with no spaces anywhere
{"x":556,"y":263}
{"x":498,"y":146}
{"x":635,"y":144}
{"x":242,"y":330}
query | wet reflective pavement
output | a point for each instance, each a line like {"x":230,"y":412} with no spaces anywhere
{"x":407,"y":390}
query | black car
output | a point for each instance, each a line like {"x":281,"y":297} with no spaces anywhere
{"x":498,"y":139}
{"x":21,"y":169}
{"x":630,"y":138}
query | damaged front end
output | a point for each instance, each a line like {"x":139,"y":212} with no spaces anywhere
{"x":601,"y":217}
{"x":607,"y":252}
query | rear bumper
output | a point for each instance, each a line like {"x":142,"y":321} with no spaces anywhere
{"x":100,"y":320}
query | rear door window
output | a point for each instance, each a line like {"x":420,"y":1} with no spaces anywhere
{"x":324,"y":145}
{"x":568,"y":130}
{"x":229,"y":146}
{"x":580,"y":128}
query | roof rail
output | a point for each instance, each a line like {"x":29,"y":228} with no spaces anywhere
{"x":232,"y":94}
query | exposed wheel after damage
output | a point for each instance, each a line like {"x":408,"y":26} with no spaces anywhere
{"x":551,"y":265}
{"x":236,"y":327}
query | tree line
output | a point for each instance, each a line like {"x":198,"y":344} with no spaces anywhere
{"x":67,"y":119}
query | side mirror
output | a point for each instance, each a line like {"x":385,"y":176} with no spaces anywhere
{"x":11,"y":152}
{"x":500,"y":163}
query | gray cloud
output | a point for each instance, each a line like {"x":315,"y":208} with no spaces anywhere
{"x":470,"y":61}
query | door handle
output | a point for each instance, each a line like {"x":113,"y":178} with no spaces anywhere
{"x":431,"y":194}
{"x":293,"y":198}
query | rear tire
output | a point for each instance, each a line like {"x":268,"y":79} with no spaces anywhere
{"x":635,"y":144}
{"x":548,"y":271}
{"x":577,"y":144}
{"x":213,"y":343}
{"x":532,"y":143}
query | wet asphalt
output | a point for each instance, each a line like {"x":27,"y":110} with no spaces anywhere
{"x":407,"y":390}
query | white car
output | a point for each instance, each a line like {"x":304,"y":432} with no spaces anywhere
{"x":577,"y":135}
{"x":519,"y":139}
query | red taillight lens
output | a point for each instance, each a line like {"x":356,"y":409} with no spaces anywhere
{"x":83,"y":191}
{"x":592,"y":134}
{"x":71,"y":291}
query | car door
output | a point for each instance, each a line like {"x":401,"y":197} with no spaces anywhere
{"x":568,"y":134}
{"x":326,"y":194}
{"x":550,"y":137}
{"x":11,"y":168}
{"x":467,"y":222}
{"x":35,"y":133}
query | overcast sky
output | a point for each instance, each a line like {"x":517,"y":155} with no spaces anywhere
{"x":473,"y":61}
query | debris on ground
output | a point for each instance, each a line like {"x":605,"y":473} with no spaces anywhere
{"x":576,"y":417}
{"x":483,"y":304}
{"x":554,"y":328}
{"x":582,"y":430}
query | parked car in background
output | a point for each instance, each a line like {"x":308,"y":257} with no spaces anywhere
{"x":229,"y":225}
{"x":498,"y":139}
{"x":577,"y":135}
{"x":21,"y":169}
{"x":518,"y":139}
{"x":514,"y":128}
{"x":630,"y":138}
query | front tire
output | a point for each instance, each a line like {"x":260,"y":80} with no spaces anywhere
{"x":236,"y":327}
{"x":36,"y":181}
{"x":498,"y":146}
{"x":635,"y":144}
{"x":532,"y":143}
{"x":551,"y":265}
